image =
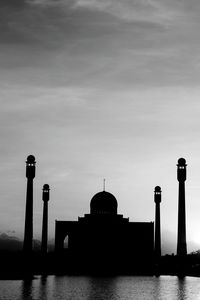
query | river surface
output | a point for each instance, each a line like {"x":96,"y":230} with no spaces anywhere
{"x":105,"y":288}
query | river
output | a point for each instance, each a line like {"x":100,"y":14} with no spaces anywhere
{"x":101,"y":288}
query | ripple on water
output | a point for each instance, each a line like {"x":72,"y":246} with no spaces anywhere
{"x":101,"y":288}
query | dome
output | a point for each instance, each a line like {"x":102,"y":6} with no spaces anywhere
{"x":182,"y":161}
{"x":157,"y":189}
{"x":45,"y":187}
{"x":31,"y":159}
{"x":103,"y":203}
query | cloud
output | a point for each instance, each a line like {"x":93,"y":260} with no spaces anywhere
{"x":163,"y":12}
{"x":105,"y":44}
{"x":52,"y":21}
{"x":15,"y":4}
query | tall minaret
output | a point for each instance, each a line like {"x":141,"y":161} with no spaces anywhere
{"x":181,"y":176}
{"x":157,"y":200}
{"x":45,"y":198}
{"x":28,"y":231}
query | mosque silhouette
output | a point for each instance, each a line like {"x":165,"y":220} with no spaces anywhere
{"x":104,"y":239}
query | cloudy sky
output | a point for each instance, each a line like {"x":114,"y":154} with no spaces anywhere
{"x":98,"y":89}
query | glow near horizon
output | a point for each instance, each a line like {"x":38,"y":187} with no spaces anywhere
{"x":98,"y":90}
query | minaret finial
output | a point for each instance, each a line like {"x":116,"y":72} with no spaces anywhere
{"x":104,"y":184}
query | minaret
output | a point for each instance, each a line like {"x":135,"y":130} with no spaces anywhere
{"x":157,"y":200}
{"x":181,"y":176}
{"x":45,"y":198}
{"x":28,"y":231}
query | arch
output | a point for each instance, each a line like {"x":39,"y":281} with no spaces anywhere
{"x":66,"y":242}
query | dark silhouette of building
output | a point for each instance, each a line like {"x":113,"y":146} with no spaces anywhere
{"x":105,"y":239}
{"x":157,"y":200}
{"x":45,"y":198}
{"x":28,"y":231}
{"x":181,"y":176}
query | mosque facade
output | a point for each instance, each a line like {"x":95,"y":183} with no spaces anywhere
{"x":105,"y":238}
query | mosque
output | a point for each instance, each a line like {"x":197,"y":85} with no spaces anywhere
{"x":105,"y":237}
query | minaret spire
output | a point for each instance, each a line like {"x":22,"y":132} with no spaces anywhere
{"x":45,"y":198}
{"x":28,"y":231}
{"x":181,"y":240}
{"x":157,"y":200}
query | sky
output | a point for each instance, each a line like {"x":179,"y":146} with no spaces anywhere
{"x":100,"y":89}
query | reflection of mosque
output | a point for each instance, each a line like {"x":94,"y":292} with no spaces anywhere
{"x":104,"y":236}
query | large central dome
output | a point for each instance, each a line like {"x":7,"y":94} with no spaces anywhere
{"x":103,"y":203}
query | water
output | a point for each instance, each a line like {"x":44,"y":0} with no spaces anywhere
{"x":91,"y":288}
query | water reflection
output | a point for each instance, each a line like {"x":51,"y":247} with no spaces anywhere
{"x":102,"y":289}
{"x":157,"y":290}
{"x":26,"y":290}
{"x":43,"y":287}
{"x":181,"y":292}
{"x":43,"y":280}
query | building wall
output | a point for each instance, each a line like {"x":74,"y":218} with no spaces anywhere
{"x":107,"y":240}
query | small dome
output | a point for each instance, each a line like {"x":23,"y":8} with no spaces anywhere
{"x":103,"y":203}
{"x":31,"y":159}
{"x":182,"y":161}
{"x":45,"y":187}
{"x":157,"y":189}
